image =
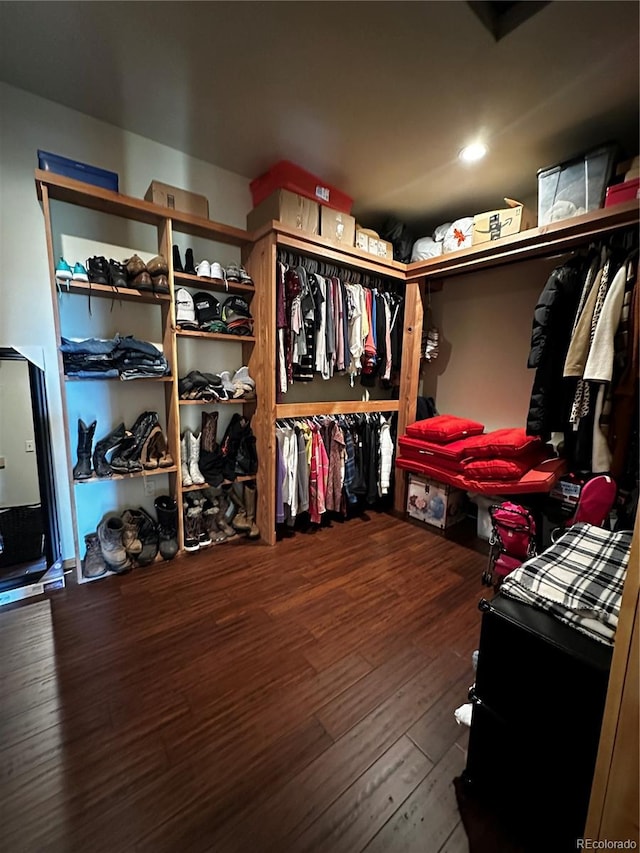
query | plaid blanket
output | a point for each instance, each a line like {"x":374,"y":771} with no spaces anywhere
{"x":579,"y":579}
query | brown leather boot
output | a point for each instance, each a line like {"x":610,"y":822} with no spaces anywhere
{"x":250,"y":504}
{"x":209,"y":431}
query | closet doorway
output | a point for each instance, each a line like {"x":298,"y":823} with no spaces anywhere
{"x":30,"y":551}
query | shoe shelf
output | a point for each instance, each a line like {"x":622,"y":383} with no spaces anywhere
{"x":243,"y":478}
{"x":215,"y":336}
{"x":196,"y":281}
{"x":237,"y":401}
{"x":127,"y":294}
{"x":151,"y":472}
{"x":117,"y":379}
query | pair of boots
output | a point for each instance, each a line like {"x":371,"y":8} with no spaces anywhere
{"x":133,"y":537}
{"x":189,"y":267}
{"x":189,"y":457}
{"x":244,"y":519}
{"x":143,"y":447}
{"x":204,"y":524}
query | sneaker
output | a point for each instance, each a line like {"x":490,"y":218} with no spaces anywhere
{"x":117,"y":274}
{"x":204,"y":269}
{"x":79,"y":273}
{"x":217,"y":273}
{"x":63,"y":271}
{"x":98,"y":269}
{"x":232,"y":273}
{"x":245,"y":278}
{"x":242,"y":382}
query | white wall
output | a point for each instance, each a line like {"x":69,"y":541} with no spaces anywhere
{"x":485,"y":333}
{"x":19,"y":477}
{"x":27,"y":123}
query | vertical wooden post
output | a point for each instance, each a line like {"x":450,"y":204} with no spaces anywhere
{"x":260,"y":261}
{"x":409,"y":375}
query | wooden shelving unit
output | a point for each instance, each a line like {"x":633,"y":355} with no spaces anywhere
{"x":117,"y":379}
{"x":127,"y":294}
{"x":199,"y":283}
{"x":240,"y":401}
{"x":133,"y":475}
{"x":215,"y":336}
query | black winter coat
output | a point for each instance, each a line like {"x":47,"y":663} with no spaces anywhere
{"x":550,"y":336}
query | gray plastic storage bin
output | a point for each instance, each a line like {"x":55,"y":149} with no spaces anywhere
{"x":575,"y":187}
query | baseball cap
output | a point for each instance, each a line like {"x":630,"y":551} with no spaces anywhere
{"x":234,"y":308}
{"x":207,"y":307}
{"x":185,"y":310}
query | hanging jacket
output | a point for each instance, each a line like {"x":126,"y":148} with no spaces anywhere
{"x":551,"y":331}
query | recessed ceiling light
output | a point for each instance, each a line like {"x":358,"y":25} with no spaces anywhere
{"x":472,"y":153}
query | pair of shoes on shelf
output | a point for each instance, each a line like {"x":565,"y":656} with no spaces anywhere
{"x":239,"y":385}
{"x":64,"y":272}
{"x":238,"y":274}
{"x":188,"y":268}
{"x":143,"y":447}
{"x":152,"y":276}
{"x":204,"y":521}
{"x":197,"y":386}
{"x":102,"y":271}
{"x":213,"y":271}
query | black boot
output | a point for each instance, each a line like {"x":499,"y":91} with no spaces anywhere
{"x":177,"y":260}
{"x":82,"y":470}
{"x":167,"y":511}
{"x":127,"y":459}
{"x":189,"y":266}
{"x":104,"y":446}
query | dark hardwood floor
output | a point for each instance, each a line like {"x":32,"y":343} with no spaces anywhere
{"x":295,"y":698}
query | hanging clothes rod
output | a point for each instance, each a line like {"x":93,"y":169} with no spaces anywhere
{"x":325,"y":268}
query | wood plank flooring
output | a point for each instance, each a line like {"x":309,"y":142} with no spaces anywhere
{"x":246,"y":699}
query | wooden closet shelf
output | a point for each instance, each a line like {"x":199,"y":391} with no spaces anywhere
{"x":244,"y":478}
{"x":343,"y":407}
{"x":215,"y":336}
{"x":65,"y":189}
{"x":150,"y":473}
{"x":544,"y":240}
{"x":197,"y":281}
{"x":239,"y":401}
{"x":117,"y":379}
{"x":348,"y":256}
{"x":127,"y":294}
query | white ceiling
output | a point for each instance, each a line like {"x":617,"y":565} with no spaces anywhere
{"x":375,"y":97}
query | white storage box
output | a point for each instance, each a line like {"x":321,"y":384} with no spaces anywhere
{"x":435,"y":503}
{"x":483,"y":502}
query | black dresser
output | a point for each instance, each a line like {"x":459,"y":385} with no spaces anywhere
{"x":538,"y":703}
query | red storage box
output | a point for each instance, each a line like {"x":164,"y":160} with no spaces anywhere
{"x":628,"y":191}
{"x":285,"y":175}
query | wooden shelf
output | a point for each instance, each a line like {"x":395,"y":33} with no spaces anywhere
{"x":347,"y":256}
{"x":340,"y":407}
{"x":238,"y":401}
{"x":196,"y":281}
{"x":150,"y":473}
{"x":65,"y":189}
{"x":214,"y":336}
{"x":545,"y":240}
{"x":127,"y":294}
{"x":117,"y":379}
{"x":244,"y":478}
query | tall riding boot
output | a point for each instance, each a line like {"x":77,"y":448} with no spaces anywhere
{"x":250,"y":503}
{"x":209,"y":431}
{"x":82,"y":470}
{"x":194,"y":455}
{"x":184,"y":459}
{"x":167,"y":511}
{"x":105,"y":445}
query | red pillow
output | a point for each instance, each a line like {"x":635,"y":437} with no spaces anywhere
{"x":503,"y":443}
{"x":502,"y":469}
{"x":444,"y":428}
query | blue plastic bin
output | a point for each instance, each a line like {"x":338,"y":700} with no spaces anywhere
{"x":78,"y":171}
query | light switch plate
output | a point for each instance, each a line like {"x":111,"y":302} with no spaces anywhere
{"x":29,"y":446}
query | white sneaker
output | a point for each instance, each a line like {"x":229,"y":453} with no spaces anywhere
{"x":217,"y":273}
{"x":204,"y":269}
{"x":241,"y":377}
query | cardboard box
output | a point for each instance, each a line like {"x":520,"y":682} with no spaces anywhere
{"x":369,"y":241}
{"x":288,"y":208}
{"x":435,"y":503}
{"x":176,"y":199}
{"x":501,"y":223}
{"x":337,"y":226}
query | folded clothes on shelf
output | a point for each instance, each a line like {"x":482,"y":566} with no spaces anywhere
{"x":125,"y":357}
{"x":198,"y":385}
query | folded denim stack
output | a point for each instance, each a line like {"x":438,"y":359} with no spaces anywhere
{"x":142,"y":448}
{"x":124,"y":357}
